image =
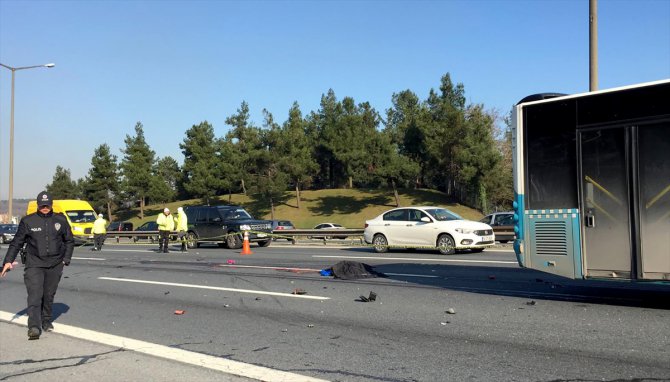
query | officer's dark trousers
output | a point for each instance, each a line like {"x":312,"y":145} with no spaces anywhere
{"x":99,"y":239}
{"x":41,"y":284}
{"x":163,"y":240}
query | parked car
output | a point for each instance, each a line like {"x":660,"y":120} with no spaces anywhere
{"x":7,"y":232}
{"x":148,"y":226}
{"x":278,"y":226}
{"x":329,"y":226}
{"x":427,"y":227}
{"x":114,"y":228}
{"x":225,"y":225}
{"x":503,"y":225}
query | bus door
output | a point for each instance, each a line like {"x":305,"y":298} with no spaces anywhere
{"x":619,"y":167}
{"x":605,"y":195}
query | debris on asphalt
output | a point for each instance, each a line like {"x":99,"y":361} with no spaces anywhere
{"x":179,"y":312}
{"x":371,"y":297}
{"x":230,"y":261}
{"x":167,"y":292}
{"x":284,"y":330}
{"x":445,"y":322}
{"x":298,"y":291}
{"x":531,"y":302}
{"x":326,"y":272}
{"x":225,"y":305}
{"x":310,"y":325}
{"x":258,"y":298}
{"x":450,"y":311}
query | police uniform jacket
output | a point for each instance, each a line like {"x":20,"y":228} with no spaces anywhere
{"x":48,"y":240}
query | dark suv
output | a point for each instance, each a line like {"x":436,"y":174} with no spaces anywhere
{"x":225,"y":225}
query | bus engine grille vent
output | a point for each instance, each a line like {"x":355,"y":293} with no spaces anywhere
{"x":551,"y":238}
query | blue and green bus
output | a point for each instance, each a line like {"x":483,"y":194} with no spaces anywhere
{"x":592,"y":183}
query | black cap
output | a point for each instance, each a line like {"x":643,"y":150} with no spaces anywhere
{"x":44,"y":199}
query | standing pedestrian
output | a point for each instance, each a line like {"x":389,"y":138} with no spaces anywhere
{"x":99,"y":232}
{"x":49,"y":245}
{"x":182,"y":227}
{"x":165,"y":223}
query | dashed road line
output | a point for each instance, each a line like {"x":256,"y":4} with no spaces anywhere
{"x":88,"y":258}
{"x":261,"y":292}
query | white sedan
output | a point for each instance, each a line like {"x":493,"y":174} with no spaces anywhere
{"x":427,"y":227}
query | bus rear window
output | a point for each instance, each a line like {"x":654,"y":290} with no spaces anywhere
{"x":549,"y":130}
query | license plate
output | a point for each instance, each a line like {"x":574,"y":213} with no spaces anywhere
{"x":261,"y":235}
{"x":487,"y":238}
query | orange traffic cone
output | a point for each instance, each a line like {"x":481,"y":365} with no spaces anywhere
{"x":246,"y":250}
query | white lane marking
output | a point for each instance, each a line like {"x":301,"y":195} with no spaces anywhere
{"x":129,"y":250}
{"x":192,"y":358}
{"x":407,"y":274}
{"x":88,"y":258}
{"x":263,"y":267}
{"x":417,"y":259}
{"x":216,"y":288}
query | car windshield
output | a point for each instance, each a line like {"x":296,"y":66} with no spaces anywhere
{"x":81,"y":216}
{"x":441,"y":214}
{"x":9,"y":228}
{"x":237,"y":214}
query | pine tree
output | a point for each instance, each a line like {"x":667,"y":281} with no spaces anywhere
{"x":62,"y":186}
{"x":137,"y":167}
{"x":102,"y":183}
{"x":166,"y":175}
{"x":202,"y":168}
{"x":295,"y":152}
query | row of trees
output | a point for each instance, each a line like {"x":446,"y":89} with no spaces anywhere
{"x":439,"y":143}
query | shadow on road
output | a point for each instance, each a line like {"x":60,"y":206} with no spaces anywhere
{"x":519,"y":282}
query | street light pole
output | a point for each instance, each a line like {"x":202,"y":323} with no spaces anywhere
{"x":11,"y":134}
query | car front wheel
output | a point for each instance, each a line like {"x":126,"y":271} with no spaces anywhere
{"x":234,"y":241}
{"x":446,"y":245}
{"x":191,"y":240}
{"x":379,"y":243}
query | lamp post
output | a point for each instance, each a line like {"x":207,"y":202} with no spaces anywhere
{"x":11,"y":134}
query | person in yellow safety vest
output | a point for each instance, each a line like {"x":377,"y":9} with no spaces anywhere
{"x":99,"y":232}
{"x":182,"y":227}
{"x":165,"y":223}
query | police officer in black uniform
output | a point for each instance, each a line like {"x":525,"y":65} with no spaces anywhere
{"x":49,"y":246}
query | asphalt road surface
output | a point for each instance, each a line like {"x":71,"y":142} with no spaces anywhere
{"x":474,"y":317}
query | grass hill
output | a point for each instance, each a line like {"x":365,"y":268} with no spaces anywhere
{"x":349,"y":207}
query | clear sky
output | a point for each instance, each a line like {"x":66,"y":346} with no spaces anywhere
{"x":173,"y":64}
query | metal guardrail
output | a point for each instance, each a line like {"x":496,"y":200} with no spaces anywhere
{"x":281,"y":232}
{"x":319,"y":232}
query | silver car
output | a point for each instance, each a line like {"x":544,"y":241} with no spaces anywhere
{"x":7,"y":232}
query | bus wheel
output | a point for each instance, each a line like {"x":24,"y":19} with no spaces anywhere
{"x":446,"y":245}
{"x":379,"y":243}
